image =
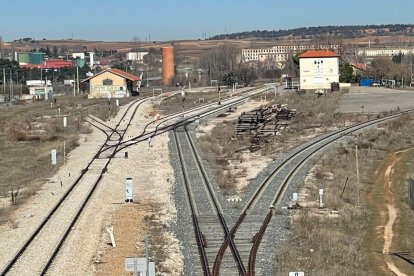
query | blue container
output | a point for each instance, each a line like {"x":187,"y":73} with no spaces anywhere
{"x":365,"y":82}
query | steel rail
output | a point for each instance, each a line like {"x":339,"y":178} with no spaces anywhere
{"x":325,"y":141}
{"x":164,"y":119}
{"x":59,"y":203}
{"x":227,"y":233}
{"x":197,"y":230}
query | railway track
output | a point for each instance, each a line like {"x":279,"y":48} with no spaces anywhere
{"x":50,"y":235}
{"x":175,"y":120}
{"x":46,"y":241}
{"x":262,"y":202}
{"x":207,"y":215}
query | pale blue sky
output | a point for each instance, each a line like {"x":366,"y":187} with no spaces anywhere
{"x":121,"y":20}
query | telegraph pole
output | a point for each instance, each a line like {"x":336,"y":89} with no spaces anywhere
{"x":11,"y":86}
{"x":4,"y":80}
{"x":357,"y":173}
{"x":74,"y":85}
{"x":77,"y":79}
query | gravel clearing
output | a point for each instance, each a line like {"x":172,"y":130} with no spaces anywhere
{"x":86,"y":247}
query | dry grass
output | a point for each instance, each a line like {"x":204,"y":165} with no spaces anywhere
{"x":326,"y":245}
{"x":28,"y":133}
{"x":176,"y":103}
{"x":314,"y":116}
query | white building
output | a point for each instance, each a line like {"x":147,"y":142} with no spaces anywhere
{"x":136,"y":56}
{"x":384,"y":52}
{"x":318,"y":69}
{"x":78,"y":55}
{"x":280,"y":53}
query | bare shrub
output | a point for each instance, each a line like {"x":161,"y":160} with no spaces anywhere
{"x":16,"y":133}
{"x":14,"y":196}
{"x":13,"y":223}
{"x":85,"y":129}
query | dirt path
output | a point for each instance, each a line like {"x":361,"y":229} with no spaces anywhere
{"x":392,"y":212}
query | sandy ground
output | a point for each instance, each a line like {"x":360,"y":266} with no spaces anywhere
{"x":86,"y":251}
{"x":391,"y":214}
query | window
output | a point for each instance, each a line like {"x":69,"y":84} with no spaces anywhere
{"x":107,"y":82}
{"x":121,"y":88}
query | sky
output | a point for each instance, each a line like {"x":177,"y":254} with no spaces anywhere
{"x":122,"y":20}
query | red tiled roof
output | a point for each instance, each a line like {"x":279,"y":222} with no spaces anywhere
{"x":49,"y":64}
{"x":116,"y":72}
{"x":124,"y":74}
{"x":360,"y":66}
{"x":318,"y":54}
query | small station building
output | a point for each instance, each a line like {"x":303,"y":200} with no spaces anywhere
{"x":318,"y":69}
{"x":113,"y":83}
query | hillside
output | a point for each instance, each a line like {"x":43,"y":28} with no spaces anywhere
{"x":353,"y":31}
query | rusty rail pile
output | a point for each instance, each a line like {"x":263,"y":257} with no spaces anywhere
{"x":265,"y":121}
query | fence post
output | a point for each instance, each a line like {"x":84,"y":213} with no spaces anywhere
{"x":411,"y":193}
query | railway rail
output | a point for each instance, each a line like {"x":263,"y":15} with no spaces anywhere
{"x":264,"y":197}
{"x":216,"y":225}
{"x":48,"y":238}
{"x":74,"y":200}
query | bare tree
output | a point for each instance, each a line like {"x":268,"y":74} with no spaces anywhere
{"x":218,"y":61}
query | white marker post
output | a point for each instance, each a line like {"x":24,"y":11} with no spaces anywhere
{"x":320,"y":198}
{"x":53,"y":156}
{"x":117,"y":102}
{"x":128,"y":190}
{"x":65,"y":121}
{"x":111,"y":235}
{"x":64,"y":152}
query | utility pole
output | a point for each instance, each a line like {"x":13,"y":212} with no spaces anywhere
{"x":11,"y":86}
{"x":4,"y":80}
{"x":74,"y":85}
{"x":411,"y":67}
{"x":1,"y":47}
{"x":77,"y":79}
{"x":146,"y":253}
{"x":357,"y":173}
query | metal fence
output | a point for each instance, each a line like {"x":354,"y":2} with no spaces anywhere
{"x":411,"y":193}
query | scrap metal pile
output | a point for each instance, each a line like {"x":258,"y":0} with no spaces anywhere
{"x":265,"y":121}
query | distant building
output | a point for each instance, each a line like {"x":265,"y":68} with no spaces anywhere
{"x":25,"y":58}
{"x":113,"y":83}
{"x":318,"y":69}
{"x":359,"y":68}
{"x":50,"y":64}
{"x":136,"y":56}
{"x":280,"y":53}
{"x":78,"y":55}
{"x":385,"y":52}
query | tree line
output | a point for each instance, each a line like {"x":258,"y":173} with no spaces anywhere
{"x":352,"y":31}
